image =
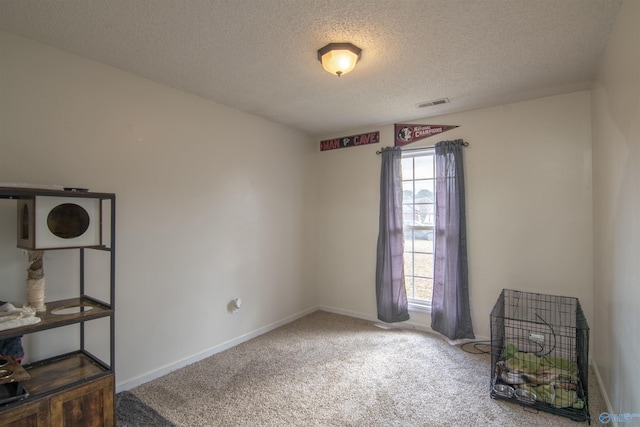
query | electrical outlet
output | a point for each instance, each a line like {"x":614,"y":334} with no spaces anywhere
{"x":536,"y":337}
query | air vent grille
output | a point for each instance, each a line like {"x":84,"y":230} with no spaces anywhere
{"x":433,"y":103}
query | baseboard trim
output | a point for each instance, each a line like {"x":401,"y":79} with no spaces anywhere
{"x":603,"y":390}
{"x":166,"y":369}
{"x":404,"y":325}
{"x":348,"y":313}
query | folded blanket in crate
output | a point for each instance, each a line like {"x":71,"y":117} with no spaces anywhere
{"x":556,"y":397}
{"x":543,"y":369}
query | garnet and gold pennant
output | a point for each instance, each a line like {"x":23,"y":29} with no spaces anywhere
{"x":406,"y":134}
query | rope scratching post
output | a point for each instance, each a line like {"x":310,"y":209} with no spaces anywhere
{"x":35,"y":281}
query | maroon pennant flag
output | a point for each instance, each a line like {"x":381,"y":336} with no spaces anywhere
{"x":406,"y":134}
{"x":350,"y":141}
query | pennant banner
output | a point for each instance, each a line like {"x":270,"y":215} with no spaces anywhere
{"x":350,"y":141}
{"x":406,"y":134}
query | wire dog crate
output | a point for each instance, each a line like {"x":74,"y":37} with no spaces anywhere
{"x":540,"y":353}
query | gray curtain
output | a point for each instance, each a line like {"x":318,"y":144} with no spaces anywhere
{"x":391,"y":295}
{"x":450,"y":312}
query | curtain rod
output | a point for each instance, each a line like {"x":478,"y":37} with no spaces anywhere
{"x":464,"y":144}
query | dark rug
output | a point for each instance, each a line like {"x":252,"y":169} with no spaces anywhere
{"x":133,"y":412}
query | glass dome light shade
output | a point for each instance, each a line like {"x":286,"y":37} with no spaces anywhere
{"x":339,"y":58}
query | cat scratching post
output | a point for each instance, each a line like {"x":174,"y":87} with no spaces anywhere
{"x":35,"y":281}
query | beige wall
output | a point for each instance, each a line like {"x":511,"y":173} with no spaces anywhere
{"x":616,"y":179}
{"x":212,"y":203}
{"x":529,"y":208}
{"x":215,"y":204}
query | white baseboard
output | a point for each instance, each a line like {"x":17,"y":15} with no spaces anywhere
{"x":164,"y":370}
{"x":406,"y":325}
{"x":348,"y":313}
{"x":603,"y":390}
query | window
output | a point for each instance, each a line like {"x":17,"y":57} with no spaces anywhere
{"x":418,"y":214}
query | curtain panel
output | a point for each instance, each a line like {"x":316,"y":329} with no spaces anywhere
{"x":450,"y":308}
{"x":391,"y":295}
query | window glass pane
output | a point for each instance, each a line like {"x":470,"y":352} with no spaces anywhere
{"x":408,"y":245}
{"x":423,"y":265}
{"x":423,"y":241}
{"x":407,"y":191}
{"x":426,"y":214}
{"x":424,"y":191}
{"x":407,"y":168}
{"x":423,"y":289}
{"x":409,"y":287}
{"x":423,"y":167}
{"x":408,"y":267}
{"x":409,"y":215}
{"x":418,"y":216}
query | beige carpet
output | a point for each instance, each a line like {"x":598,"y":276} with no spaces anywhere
{"x":332,"y":370}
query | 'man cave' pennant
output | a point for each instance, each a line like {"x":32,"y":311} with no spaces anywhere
{"x":350,"y":141}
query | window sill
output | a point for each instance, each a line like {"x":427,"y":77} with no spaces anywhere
{"x":420,"y":306}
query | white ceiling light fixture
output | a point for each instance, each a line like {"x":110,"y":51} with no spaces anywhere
{"x":339,"y":58}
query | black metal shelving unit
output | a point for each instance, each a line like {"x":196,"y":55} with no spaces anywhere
{"x":81,"y":366}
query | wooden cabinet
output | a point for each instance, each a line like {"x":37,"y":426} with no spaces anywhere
{"x":32,"y":414}
{"x":73,"y":389}
{"x":89,"y":405}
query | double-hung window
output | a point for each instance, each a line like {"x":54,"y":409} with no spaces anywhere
{"x":418,"y":214}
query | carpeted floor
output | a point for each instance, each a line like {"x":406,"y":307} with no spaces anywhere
{"x":132,"y":412}
{"x":332,"y":370}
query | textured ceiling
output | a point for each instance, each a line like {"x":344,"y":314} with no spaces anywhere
{"x":259,"y":56}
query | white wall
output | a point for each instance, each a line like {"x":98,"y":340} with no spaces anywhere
{"x":201,"y":190}
{"x":529,"y":207}
{"x":212,"y":203}
{"x":616,"y":178}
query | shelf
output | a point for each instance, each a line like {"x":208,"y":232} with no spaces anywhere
{"x":57,"y":374}
{"x":62,"y":372}
{"x":22,"y":192}
{"x":75,"y":388}
{"x":52,"y":320}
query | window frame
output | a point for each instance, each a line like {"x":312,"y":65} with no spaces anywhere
{"x":418,"y":304}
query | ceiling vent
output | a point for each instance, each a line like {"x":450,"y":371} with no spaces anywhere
{"x":434,"y":103}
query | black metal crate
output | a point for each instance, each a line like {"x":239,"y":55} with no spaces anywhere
{"x":540,"y":353}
